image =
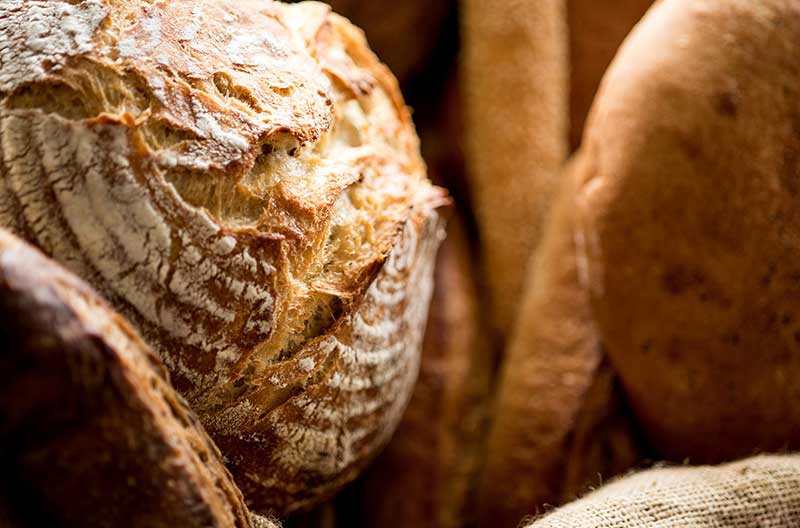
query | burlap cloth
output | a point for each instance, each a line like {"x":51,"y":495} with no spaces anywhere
{"x":762,"y":491}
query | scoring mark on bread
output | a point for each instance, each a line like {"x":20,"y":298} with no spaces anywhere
{"x":263,"y":218}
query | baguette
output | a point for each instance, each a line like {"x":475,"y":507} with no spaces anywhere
{"x":558,"y":421}
{"x":515,"y":86}
{"x":91,"y":432}
{"x":243,"y":182}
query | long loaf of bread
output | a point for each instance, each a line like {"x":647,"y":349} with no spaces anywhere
{"x":515,"y":86}
{"x":558,"y":423}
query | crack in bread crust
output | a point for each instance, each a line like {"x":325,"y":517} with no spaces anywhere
{"x":238,"y":179}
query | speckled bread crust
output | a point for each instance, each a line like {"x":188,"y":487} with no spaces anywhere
{"x":242,"y":181}
{"x":91,"y":432}
{"x":689,"y":210}
{"x":430,"y":466}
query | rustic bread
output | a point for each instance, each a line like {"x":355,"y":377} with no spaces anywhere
{"x":515,"y":86}
{"x":426,"y":475}
{"x":91,"y":432}
{"x":558,"y":421}
{"x":242,"y":181}
{"x":595,"y":33}
{"x":691,"y":226}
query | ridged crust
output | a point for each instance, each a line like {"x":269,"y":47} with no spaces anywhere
{"x":242,"y":181}
{"x":349,"y":405}
{"x":84,"y":400}
{"x":430,"y":466}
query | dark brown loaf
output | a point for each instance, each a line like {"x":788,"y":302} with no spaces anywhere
{"x":242,"y":181}
{"x":689,"y":213}
{"x":91,"y":433}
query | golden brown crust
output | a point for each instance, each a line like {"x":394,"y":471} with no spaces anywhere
{"x":234,"y":177}
{"x":555,"y":412}
{"x":689,"y":208}
{"x":90,"y":430}
{"x":515,"y":87}
{"x":430,"y":466}
{"x":344,"y":391}
{"x":595,"y":33}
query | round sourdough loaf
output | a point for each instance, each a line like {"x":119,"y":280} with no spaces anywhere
{"x":242,"y":181}
{"x":84,"y":401}
{"x":690,"y":226}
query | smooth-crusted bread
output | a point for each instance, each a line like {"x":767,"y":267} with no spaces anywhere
{"x":688,"y":207}
{"x":242,"y":181}
{"x":559,"y":423}
{"x":515,"y":83}
{"x":91,"y":432}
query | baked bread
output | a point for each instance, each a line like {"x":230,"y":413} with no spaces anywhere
{"x":427,"y":474}
{"x":242,"y":181}
{"x":595,"y":33}
{"x":558,"y":421}
{"x":515,"y":91}
{"x":91,"y":432}
{"x":688,"y":208}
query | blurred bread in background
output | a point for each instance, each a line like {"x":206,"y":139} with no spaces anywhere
{"x":596,"y":31}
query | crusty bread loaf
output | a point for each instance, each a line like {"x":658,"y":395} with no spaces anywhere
{"x":91,"y":432}
{"x":242,"y":181}
{"x":595,"y":32}
{"x":515,"y":88}
{"x":558,"y":423}
{"x":426,"y":475}
{"x":689,"y":212}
